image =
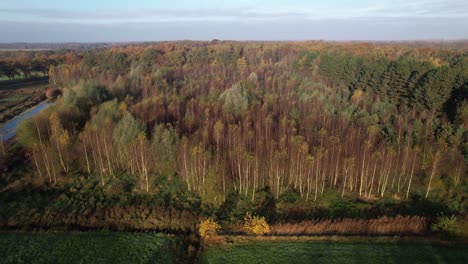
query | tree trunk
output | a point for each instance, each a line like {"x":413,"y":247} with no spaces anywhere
{"x":434,"y":167}
{"x":411,"y":176}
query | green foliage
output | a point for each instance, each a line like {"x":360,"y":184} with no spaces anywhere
{"x":235,"y":100}
{"x":343,"y":208}
{"x":103,"y":247}
{"x":305,"y":92}
{"x":27,"y":135}
{"x":290,"y":196}
{"x":89,"y":204}
{"x":148,"y":59}
{"x":233,"y":209}
{"x":331,"y":252}
{"x":339,"y":67}
{"x":447,"y":225}
{"x":404,"y":81}
{"x":108,"y":112}
{"x":305,"y":60}
{"x":295,"y":115}
{"x":198,"y":56}
{"x":265,"y":204}
{"x":175,"y":58}
{"x":165,"y":142}
{"x":116,"y":63}
{"x":119,"y":88}
{"x":435,"y":89}
{"x":85,"y":95}
{"x":123,"y":184}
{"x":127,"y":130}
{"x":173,"y":192}
{"x":88,"y":60}
{"x":227,"y":58}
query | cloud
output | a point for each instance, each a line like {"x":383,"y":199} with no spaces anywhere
{"x":381,"y":20}
{"x":294,"y":29}
{"x":147,"y":15}
{"x":416,"y":9}
{"x":425,"y":9}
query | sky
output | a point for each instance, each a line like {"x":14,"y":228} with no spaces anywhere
{"x":156,"y":20}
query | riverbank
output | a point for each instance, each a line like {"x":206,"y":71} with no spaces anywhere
{"x":15,"y":100}
{"x":8,"y":128}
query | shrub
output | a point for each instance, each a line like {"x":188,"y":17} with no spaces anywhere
{"x":265,"y":204}
{"x":255,"y":225}
{"x":208,"y":228}
{"x":446,"y":225}
{"x":290,"y":197}
{"x":233,"y":209}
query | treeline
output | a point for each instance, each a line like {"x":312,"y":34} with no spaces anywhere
{"x":363,"y":120}
{"x":28,"y":64}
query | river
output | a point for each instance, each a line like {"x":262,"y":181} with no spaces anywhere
{"x":8,"y":130}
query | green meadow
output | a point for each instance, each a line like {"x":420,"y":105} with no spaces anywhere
{"x":331,"y":253}
{"x":87,"y":247}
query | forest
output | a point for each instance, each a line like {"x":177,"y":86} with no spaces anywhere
{"x":162,"y":135}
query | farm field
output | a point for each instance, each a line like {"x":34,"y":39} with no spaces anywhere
{"x":87,"y":247}
{"x":21,"y":76}
{"x":13,"y":101}
{"x":333,"y":252}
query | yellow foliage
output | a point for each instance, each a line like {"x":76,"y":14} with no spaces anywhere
{"x":437,"y":62}
{"x":208,"y":228}
{"x":64,"y":138}
{"x":256,"y":225}
{"x":123,"y":107}
{"x":357,"y":95}
{"x":141,"y":137}
{"x":304,"y":147}
{"x":373,"y":129}
{"x":54,"y":122}
{"x":196,"y":150}
{"x":241,"y":63}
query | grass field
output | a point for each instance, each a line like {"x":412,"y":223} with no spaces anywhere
{"x":14,"y":101}
{"x":21,"y":76}
{"x":121,"y":247}
{"x":87,"y":247}
{"x":334,"y":252}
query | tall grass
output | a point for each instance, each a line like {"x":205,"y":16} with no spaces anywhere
{"x":409,"y":225}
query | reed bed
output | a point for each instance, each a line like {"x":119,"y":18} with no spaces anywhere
{"x":399,"y":225}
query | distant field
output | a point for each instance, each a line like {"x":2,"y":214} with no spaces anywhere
{"x":21,"y":76}
{"x":15,"y":101}
{"x":30,"y":49}
{"x":86,"y":247}
{"x":339,"y":253}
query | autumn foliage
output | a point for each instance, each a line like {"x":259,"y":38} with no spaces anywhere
{"x":364,"y":121}
{"x":208,"y":228}
{"x":255,"y":225}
